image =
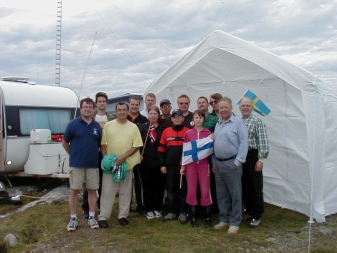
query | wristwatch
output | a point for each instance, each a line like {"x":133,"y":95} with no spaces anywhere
{"x":261,"y":160}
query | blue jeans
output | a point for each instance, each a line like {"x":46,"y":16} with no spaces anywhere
{"x":229,"y":191}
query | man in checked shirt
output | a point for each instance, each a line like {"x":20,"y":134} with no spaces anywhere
{"x":252,"y":177}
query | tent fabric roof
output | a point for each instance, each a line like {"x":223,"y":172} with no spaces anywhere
{"x":219,"y":41}
{"x":300,"y":173}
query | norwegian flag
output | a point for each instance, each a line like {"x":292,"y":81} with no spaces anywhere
{"x":152,"y":133}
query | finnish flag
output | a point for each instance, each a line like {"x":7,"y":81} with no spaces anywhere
{"x":197,"y":150}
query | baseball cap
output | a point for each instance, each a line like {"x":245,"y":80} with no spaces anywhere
{"x":177,"y":111}
{"x":165,"y":101}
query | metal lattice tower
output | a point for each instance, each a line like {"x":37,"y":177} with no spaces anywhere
{"x":58,"y":43}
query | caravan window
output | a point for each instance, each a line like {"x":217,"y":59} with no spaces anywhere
{"x":54,"y":119}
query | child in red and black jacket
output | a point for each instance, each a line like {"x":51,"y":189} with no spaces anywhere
{"x":169,"y":158}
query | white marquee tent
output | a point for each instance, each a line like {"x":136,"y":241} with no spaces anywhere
{"x":301,"y":170}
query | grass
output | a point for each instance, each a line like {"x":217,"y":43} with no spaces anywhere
{"x":42,"y":229}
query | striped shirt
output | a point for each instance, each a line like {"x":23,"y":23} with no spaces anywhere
{"x":257,"y":134}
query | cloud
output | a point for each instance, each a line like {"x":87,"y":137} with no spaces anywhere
{"x":138,"y":40}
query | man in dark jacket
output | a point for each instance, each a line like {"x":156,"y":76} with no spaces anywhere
{"x":136,"y":118}
{"x":183,"y":105}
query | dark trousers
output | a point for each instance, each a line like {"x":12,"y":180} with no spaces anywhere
{"x":176,"y":196}
{"x":138,"y":186}
{"x":153,"y":187}
{"x":214,"y":207}
{"x":252,"y":186}
{"x":85,"y":203}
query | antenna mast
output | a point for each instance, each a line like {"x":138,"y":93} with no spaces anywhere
{"x":58,"y":43}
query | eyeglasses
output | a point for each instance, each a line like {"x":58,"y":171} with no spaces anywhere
{"x":245,"y":106}
{"x":214,"y":102}
{"x":165,"y":106}
{"x":184,"y":103}
{"x":177,"y":116}
{"x":87,"y":107}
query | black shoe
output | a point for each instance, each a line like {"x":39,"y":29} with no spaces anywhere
{"x":140,"y":209}
{"x":123,"y":221}
{"x":208,"y":218}
{"x":103,"y":224}
{"x":193,"y":214}
{"x":86,"y":215}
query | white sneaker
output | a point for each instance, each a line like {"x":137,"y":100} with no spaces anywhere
{"x":72,"y":224}
{"x":92,"y":222}
{"x":221,"y":225}
{"x":233,"y":229}
{"x":150,"y":215}
{"x":157,"y":214}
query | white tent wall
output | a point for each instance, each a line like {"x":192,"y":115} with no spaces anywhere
{"x":295,"y":175}
{"x":329,"y":99}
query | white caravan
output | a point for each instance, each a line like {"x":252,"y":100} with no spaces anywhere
{"x":27,"y":107}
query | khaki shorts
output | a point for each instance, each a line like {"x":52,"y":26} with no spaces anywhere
{"x":78,"y":176}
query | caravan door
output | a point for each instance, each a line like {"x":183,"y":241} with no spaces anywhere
{"x":1,"y":132}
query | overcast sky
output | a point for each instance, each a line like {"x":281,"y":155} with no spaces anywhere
{"x":137,"y":40}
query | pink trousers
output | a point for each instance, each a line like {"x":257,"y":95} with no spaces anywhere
{"x":198,"y":173}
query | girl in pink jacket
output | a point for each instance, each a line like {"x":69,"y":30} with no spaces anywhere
{"x":198,"y":172}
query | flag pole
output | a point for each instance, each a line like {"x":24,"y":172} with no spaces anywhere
{"x":148,"y":130}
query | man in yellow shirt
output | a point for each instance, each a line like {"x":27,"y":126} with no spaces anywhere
{"x":122,"y":138}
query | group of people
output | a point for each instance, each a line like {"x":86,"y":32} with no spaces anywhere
{"x":147,"y":146}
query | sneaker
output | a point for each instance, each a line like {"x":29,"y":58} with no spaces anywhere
{"x":72,"y":224}
{"x":150,"y":215}
{"x":183,"y":218}
{"x":221,"y":225}
{"x":157,"y":214}
{"x":254,"y":223}
{"x":233,"y":229}
{"x":170,"y":217}
{"x":93,"y":223}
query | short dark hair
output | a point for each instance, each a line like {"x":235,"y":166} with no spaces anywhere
{"x":122,"y":103}
{"x":88,"y":101}
{"x":101,"y":94}
{"x":204,"y":98}
{"x":135,"y":97}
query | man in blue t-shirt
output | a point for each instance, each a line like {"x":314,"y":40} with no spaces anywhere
{"x":82,"y":140}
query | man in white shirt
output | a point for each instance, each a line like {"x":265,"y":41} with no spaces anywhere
{"x":150,"y":100}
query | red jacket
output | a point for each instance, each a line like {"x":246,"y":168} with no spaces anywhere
{"x":171,"y":146}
